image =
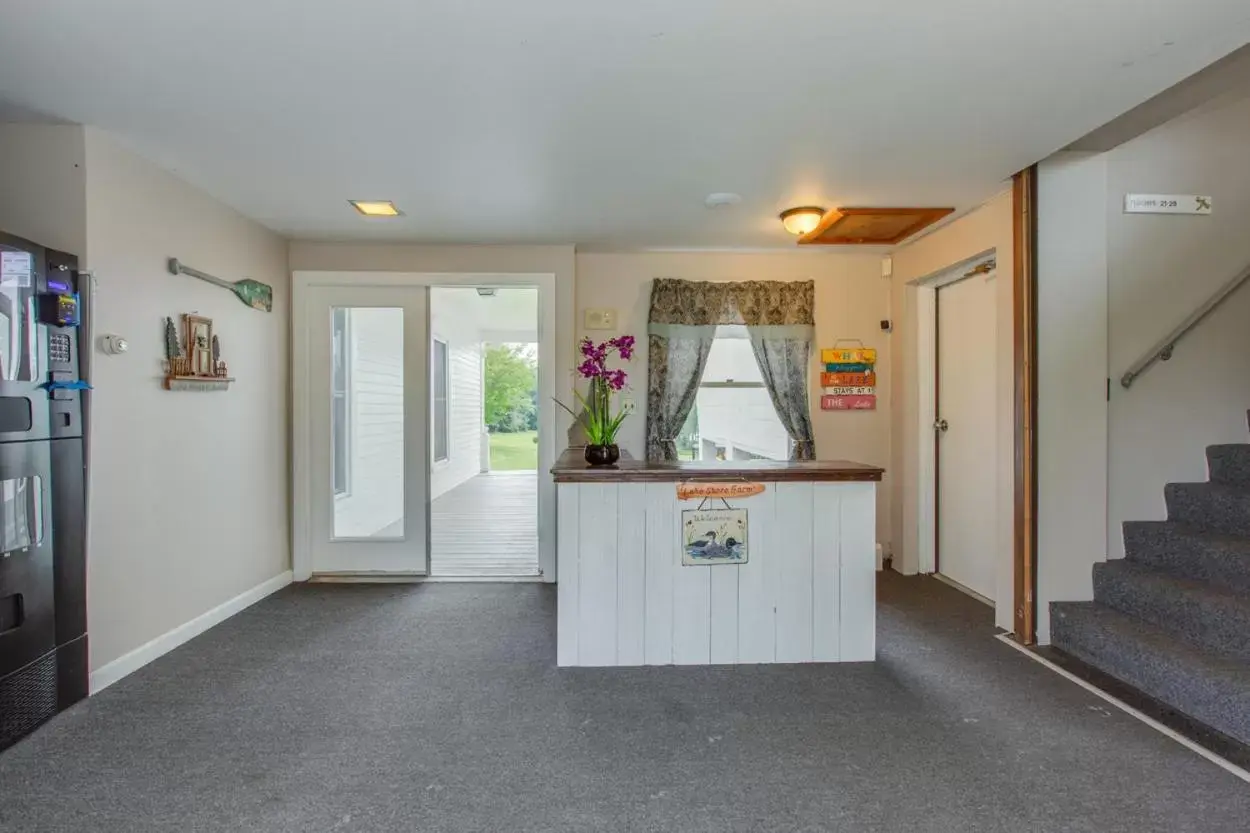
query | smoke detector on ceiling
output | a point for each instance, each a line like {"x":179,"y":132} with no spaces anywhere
{"x":722,"y":199}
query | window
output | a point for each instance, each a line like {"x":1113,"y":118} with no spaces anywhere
{"x":440,"y":370}
{"x":733,"y":417}
{"x":340,"y":345}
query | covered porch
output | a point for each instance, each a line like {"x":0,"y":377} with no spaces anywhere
{"x":486,"y":527}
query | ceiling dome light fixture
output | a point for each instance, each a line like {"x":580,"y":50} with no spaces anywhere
{"x":799,"y":221}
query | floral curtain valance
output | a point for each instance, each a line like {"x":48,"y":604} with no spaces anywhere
{"x":679,"y":304}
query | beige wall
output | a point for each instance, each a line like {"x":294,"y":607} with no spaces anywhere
{"x":851,"y":300}
{"x":987,"y":229}
{"x":42,"y":195}
{"x":1159,"y":269}
{"x":189,"y":494}
{"x":1071,"y":378}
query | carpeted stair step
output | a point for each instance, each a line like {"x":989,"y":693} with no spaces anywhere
{"x":1211,"y":507}
{"x":1229,"y":464}
{"x":1206,"y":615}
{"x":1222,"y":560}
{"x":1208,"y":687}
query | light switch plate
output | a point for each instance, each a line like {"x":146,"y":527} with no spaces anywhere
{"x":599,"y":319}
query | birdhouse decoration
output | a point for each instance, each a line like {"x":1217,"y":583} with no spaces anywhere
{"x":193,"y":357}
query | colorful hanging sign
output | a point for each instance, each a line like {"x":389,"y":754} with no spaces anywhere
{"x":845,"y":380}
{"x":694,"y":490}
{"x":842,"y":355}
{"x":849,"y":379}
{"x":856,"y":402}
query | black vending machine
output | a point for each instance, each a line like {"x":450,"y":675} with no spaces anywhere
{"x":43,"y":569}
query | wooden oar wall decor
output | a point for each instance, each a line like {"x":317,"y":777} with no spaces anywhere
{"x":255,"y":294}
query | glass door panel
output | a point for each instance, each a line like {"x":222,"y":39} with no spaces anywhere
{"x":368,"y":419}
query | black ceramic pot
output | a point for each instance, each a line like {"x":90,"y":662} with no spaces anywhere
{"x":602,"y":455}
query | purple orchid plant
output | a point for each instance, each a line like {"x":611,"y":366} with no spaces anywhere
{"x":596,"y":417}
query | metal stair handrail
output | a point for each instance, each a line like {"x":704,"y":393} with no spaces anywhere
{"x":1162,"y":351}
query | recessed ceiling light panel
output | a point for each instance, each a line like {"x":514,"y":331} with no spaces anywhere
{"x":376,"y":208}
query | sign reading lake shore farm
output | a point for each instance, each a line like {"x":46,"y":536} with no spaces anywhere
{"x":849,"y":378}
{"x":691,"y":490}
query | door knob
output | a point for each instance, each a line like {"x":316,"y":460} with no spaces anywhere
{"x":941,"y":425}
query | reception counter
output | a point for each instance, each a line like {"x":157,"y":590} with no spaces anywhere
{"x":734,"y":562}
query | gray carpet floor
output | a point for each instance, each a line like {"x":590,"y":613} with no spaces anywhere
{"x":439,"y":708}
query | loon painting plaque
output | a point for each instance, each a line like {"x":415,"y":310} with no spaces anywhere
{"x":713,"y":536}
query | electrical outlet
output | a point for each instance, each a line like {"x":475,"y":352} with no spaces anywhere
{"x":599,"y":319}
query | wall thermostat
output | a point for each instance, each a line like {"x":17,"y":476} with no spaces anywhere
{"x":113,"y":345}
{"x":599,"y":319}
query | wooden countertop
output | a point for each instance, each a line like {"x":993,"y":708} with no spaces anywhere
{"x":572,"y":468}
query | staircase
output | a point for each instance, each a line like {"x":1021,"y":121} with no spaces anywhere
{"x":1172,"y":618}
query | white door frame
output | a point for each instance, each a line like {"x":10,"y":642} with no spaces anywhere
{"x":923,"y":292}
{"x":548,"y":448}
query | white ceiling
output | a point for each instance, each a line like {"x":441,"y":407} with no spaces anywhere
{"x":511,"y":310}
{"x":599,"y":123}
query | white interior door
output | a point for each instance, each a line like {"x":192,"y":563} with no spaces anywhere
{"x":965,"y":430}
{"x":368,"y":441}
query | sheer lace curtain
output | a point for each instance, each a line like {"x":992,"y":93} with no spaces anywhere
{"x":681,"y":326}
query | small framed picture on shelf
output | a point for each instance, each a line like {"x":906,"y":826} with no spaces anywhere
{"x":200,"y":345}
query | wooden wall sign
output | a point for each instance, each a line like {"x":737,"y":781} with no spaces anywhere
{"x":848,"y":380}
{"x":694,"y":490}
{"x":713,"y":536}
{"x":852,"y":355}
{"x":855,"y":402}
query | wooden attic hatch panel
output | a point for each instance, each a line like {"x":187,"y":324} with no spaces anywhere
{"x":871,"y":226}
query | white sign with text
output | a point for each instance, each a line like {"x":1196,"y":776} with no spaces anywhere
{"x":1166,"y":204}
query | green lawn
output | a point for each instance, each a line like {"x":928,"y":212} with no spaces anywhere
{"x":514,"y":452}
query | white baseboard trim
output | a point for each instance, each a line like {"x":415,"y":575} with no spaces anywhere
{"x":129,"y":663}
{"x":401,"y":578}
{"x":967,"y":591}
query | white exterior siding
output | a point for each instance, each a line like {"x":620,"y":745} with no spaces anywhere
{"x":738,"y":419}
{"x":374,"y":499}
{"x":464,"y":404}
{"x":455,"y":319}
{"x":741,"y":419}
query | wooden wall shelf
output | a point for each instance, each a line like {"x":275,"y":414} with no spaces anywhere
{"x":201,"y":383}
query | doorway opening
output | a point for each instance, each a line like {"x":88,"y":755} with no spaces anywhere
{"x":394,"y":467}
{"x":484,"y":462}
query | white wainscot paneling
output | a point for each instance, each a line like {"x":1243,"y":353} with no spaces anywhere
{"x":806,"y":594}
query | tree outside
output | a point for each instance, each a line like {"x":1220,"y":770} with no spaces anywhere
{"x":511,"y":404}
